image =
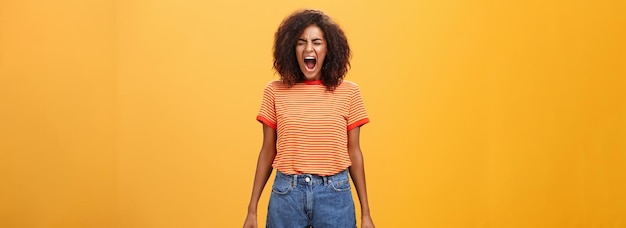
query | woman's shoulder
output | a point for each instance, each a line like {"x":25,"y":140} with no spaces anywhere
{"x":273,"y":84}
{"x":348,"y":85}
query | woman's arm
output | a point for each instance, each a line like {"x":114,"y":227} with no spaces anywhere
{"x":357,"y":172}
{"x":263,"y":171}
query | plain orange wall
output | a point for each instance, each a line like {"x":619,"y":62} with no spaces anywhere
{"x":484,"y":113}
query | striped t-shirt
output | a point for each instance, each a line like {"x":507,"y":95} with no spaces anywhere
{"x":312,"y":125}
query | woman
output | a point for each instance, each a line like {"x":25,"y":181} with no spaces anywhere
{"x":311,"y":121}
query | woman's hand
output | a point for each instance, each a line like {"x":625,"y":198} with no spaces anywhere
{"x":366,"y":222}
{"x":251,"y":221}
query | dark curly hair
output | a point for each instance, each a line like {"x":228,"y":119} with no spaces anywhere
{"x":336,"y":62}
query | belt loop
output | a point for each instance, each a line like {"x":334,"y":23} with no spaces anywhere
{"x":295,"y":180}
{"x":325,"y":180}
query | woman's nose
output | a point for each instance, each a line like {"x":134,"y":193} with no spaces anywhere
{"x":309,"y":47}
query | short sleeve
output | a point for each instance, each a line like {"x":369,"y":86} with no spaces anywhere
{"x":357,"y":116}
{"x":267,"y":113}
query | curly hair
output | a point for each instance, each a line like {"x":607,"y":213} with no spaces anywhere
{"x":337,"y":61}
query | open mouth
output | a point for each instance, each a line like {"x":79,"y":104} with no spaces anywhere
{"x":310,"y":62}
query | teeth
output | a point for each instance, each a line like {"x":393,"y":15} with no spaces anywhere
{"x":309,"y":58}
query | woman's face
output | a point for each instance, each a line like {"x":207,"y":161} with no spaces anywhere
{"x":311,"y":51}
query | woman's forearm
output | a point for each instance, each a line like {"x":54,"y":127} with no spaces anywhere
{"x":263,"y":167}
{"x":262,"y":174}
{"x":357,"y":170}
{"x":357,"y":173}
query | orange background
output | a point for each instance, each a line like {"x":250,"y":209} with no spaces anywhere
{"x":142,"y":113}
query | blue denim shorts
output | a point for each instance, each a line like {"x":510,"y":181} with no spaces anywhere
{"x":306,"y":200}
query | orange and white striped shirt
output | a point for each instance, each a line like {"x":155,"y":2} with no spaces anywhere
{"x":312,"y":125}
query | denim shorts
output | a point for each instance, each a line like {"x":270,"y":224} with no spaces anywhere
{"x":306,"y":200}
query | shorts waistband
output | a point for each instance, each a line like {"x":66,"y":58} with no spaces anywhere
{"x":312,"y":179}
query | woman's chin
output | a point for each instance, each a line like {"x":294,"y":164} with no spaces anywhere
{"x":311,"y":76}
